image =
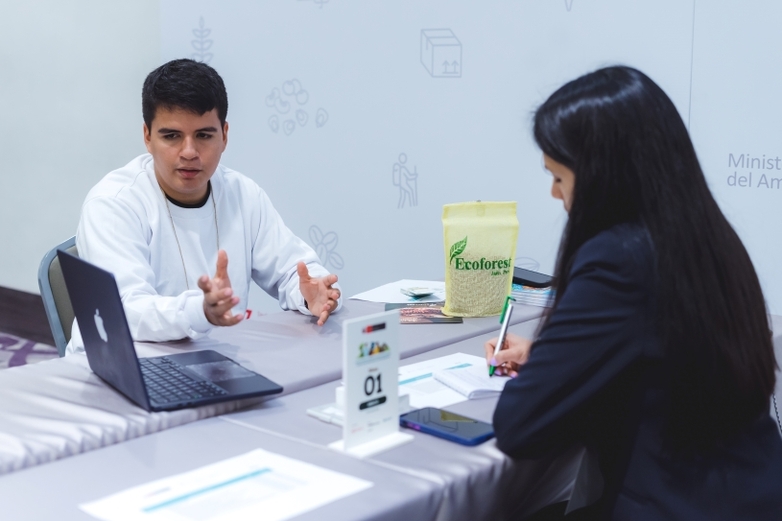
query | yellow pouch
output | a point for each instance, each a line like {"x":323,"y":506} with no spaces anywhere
{"x":480,"y":245}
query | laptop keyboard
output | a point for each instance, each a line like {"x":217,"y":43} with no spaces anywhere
{"x":166,"y":383}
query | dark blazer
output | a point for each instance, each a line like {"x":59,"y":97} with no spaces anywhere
{"x":594,"y":377}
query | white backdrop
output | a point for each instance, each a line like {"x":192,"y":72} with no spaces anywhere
{"x":70,"y":103}
{"x":736,"y":114}
{"x":70,"y":96}
{"x":360,"y":119}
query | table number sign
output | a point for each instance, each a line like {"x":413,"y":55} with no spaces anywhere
{"x":370,"y":367}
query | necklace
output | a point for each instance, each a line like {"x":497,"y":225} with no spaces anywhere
{"x":176,"y":237}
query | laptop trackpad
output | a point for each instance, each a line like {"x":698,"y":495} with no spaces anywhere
{"x":221,"y":371}
{"x":237,"y":380}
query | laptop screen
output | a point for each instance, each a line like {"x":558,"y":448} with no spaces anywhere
{"x":104,"y":328}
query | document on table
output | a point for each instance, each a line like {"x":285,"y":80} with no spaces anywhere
{"x":472,"y":381}
{"x":255,"y":485}
{"x":418,"y":382}
{"x":392,"y":293}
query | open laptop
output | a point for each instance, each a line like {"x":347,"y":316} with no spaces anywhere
{"x":160,"y":383}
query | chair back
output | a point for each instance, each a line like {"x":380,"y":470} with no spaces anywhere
{"x":55,"y":297}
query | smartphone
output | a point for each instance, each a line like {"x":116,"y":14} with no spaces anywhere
{"x":531,"y":278}
{"x":448,"y":425}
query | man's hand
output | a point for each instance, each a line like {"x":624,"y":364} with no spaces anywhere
{"x":513,"y":354}
{"x":319,"y":294}
{"x":218,"y":296}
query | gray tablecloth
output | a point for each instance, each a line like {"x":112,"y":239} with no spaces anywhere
{"x":295,"y":352}
{"x":59,"y":408}
{"x":54,"y":491}
{"x":479,"y":482}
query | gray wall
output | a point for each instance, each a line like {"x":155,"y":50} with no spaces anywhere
{"x":462,"y":127}
{"x":70,"y":105}
{"x":72,"y":73}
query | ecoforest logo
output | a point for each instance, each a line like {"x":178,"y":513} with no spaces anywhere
{"x":497,"y":266}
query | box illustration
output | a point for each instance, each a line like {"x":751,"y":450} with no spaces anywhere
{"x":441,"y":53}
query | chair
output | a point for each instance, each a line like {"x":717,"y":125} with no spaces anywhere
{"x":56,"y":301}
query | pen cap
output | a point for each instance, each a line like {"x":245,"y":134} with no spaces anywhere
{"x":480,"y":245}
{"x":505,"y":308}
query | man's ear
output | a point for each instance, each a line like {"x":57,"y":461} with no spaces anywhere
{"x":225,"y":135}
{"x":147,"y":137}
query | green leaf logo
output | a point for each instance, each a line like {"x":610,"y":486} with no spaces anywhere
{"x":457,"y":249}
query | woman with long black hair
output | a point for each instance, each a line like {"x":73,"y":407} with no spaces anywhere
{"x":657,"y":354}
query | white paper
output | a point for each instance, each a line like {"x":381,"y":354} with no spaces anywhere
{"x":391,"y":293}
{"x":418,"y":382}
{"x":255,"y":485}
{"x":472,"y":381}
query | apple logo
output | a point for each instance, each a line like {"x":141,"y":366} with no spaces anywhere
{"x":99,"y":325}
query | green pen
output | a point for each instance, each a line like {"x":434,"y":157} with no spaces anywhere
{"x":507,"y":310}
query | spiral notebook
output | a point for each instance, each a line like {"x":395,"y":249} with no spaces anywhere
{"x":472,"y":381}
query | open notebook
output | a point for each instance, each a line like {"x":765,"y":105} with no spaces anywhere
{"x":472,"y":381}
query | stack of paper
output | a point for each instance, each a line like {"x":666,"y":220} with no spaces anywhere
{"x":472,"y":381}
{"x":417,"y":380}
{"x":543,"y":297}
{"x":399,"y":292}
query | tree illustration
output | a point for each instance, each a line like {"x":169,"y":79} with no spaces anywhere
{"x":202,"y":43}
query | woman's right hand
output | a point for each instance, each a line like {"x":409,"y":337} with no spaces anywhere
{"x":515,"y":352}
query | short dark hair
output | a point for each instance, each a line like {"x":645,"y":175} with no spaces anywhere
{"x":185,"y":84}
{"x":633,"y":161}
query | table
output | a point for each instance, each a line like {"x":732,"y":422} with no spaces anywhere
{"x":53,"y":491}
{"x":479,"y":482}
{"x":295,"y":352}
{"x":59,"y":408}
{"x":427,"y":479}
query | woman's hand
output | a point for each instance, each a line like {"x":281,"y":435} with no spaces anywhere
{"x":515,"y":352}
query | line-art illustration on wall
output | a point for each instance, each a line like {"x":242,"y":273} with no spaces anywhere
{"x":407,"y":182}
{"x":321,"y":117}
{"x":568,"y":4}
{"x":319,"y":3}
{"x":441,"y":53}
{"x":325,"y":245}
{"x":289,"y":102}
{"x":202,"y":43}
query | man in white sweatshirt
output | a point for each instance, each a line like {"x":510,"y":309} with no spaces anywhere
{"x":168,"y":220}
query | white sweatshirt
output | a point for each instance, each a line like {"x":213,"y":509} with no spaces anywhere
{"x":125,"y":228}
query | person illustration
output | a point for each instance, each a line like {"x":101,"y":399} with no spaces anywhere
{"x":406,"y":181}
